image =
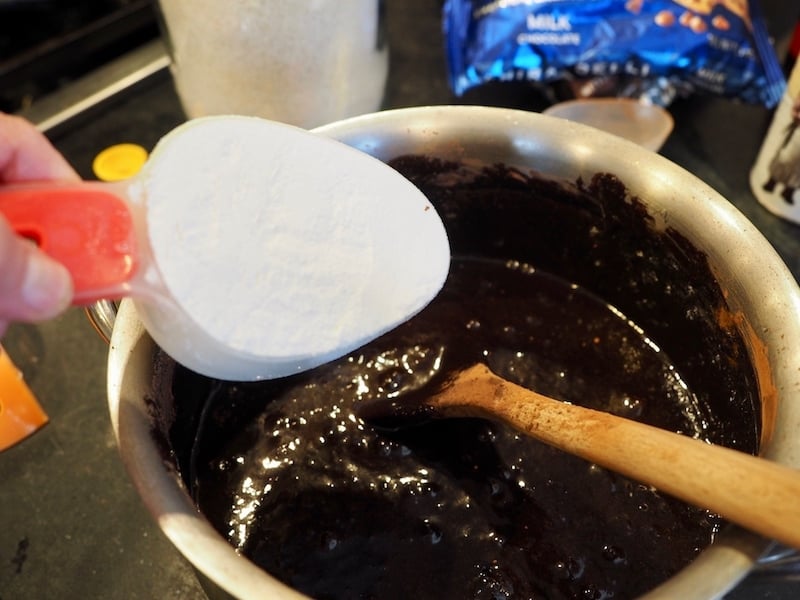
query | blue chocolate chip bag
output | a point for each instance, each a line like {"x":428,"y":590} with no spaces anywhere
{"x":653,"y":48}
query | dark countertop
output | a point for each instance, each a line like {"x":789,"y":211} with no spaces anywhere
{"x":71,"y":524}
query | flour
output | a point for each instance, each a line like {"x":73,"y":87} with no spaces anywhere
{"x":277,"y":246}
{"x":305,"y":63}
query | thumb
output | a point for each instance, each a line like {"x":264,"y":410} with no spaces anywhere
{"x":33,"y":286}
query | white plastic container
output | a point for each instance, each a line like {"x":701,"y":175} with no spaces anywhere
{"x":305,"y":63}
{"x":775,"y":177}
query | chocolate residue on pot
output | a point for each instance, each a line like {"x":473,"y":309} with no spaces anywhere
{"x":290,"y":474}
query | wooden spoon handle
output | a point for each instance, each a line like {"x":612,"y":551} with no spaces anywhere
{"x":755,"y":493}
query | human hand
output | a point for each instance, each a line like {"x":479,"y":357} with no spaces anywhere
{"x":33,"y":286}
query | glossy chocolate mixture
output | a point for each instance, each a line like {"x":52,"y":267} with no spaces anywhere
{"x":292,"y":475}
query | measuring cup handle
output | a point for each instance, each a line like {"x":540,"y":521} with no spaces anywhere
{"x":86,"y":227}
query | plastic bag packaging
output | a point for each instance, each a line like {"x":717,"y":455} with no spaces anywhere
{"x":650,"y":49}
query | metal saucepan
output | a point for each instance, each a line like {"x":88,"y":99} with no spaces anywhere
{"x":756,"y":284}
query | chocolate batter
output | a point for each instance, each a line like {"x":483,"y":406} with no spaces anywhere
{"x":298,"y":481}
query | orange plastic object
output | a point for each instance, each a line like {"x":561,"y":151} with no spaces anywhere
{"x":20,"y":413}
{"x":88,"y":229}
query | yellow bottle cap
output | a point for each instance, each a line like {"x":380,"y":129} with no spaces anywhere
{"x":118,"y":162}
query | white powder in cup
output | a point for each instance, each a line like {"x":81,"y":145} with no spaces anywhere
{"x":276,"y":245}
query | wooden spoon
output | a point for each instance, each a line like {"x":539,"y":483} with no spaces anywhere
{"x":755,"y":493}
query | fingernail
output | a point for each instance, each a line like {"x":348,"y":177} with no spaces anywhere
{"x":47,"y":287}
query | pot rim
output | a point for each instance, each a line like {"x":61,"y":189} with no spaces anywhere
{"x":755,"y":277}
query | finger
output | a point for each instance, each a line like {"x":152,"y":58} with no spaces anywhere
{"x":33,"y":286}
{"x":27,"y":155}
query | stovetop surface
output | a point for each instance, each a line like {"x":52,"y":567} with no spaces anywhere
{"x":46,"y":44}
